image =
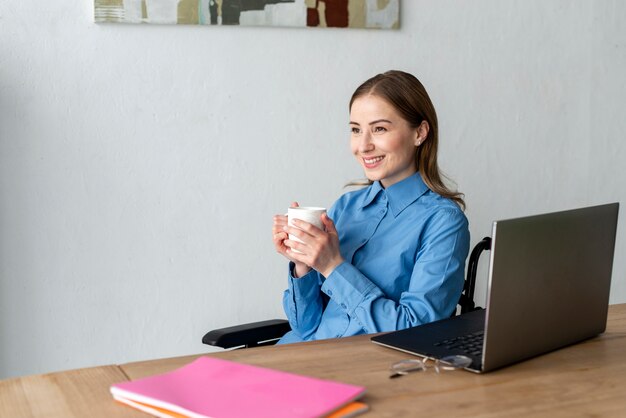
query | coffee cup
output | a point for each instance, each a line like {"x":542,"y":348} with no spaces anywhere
{"x":308,"y":214}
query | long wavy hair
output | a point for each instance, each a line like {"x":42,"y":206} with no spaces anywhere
{"x":409,"y":97}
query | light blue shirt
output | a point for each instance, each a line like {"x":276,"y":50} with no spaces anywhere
{"x":404,"y":249}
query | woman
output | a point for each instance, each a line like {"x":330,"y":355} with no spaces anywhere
{"x":392,"y":255}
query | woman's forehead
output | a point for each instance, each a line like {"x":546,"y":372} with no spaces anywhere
{"x":371,"y":105}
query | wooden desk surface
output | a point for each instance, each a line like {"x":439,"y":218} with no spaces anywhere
{"x":587,"y":379}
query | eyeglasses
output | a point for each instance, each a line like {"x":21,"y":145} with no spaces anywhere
{"x":447,"y":363}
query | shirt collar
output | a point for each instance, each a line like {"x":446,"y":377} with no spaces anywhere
{"x":400,"y":194}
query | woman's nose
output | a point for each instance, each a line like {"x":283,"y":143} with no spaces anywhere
{"x":365,"y":143}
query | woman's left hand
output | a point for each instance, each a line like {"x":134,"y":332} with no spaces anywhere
{"x":318,"y":249}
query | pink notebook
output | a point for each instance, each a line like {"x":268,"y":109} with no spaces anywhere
{"x":211,"y":387}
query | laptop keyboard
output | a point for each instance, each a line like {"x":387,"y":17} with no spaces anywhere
{"x":471,"y":344}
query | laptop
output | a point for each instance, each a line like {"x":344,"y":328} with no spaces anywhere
{"x":549,"y":282}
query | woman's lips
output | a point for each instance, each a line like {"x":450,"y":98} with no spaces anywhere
{"x":372,"y":162}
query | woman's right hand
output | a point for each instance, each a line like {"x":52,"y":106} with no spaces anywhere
{"x":279,"y":236}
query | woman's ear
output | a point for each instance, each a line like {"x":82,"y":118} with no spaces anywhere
{"x":421,"y":133}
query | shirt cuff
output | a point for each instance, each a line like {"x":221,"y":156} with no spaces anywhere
{"x":348,"y":287}
{"x":303,"y":287}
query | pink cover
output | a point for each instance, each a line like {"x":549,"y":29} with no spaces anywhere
{"x":212,"y":387}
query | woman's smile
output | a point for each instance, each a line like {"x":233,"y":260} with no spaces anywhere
{"x":373,"y":162}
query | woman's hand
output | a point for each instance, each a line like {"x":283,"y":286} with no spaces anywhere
{"x":279,"y":236}
{"x":318,"y":249}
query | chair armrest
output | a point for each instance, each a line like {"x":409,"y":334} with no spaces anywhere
{"x":248,"y":335}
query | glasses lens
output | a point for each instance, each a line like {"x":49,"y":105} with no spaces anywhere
{"x":406,"y":366}
{"x":453,"y":362}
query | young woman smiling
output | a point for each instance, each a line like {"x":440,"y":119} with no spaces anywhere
{"x":392,"y":254}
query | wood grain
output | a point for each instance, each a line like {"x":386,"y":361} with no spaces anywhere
{"x":586,"y":379}
{"x":75,"y":393}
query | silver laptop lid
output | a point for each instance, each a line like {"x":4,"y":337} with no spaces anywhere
{"x":552,"y":280}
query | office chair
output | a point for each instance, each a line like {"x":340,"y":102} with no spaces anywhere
{"x":268,"y":332}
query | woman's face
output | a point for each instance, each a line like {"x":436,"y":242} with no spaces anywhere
{"x":382,"y":141}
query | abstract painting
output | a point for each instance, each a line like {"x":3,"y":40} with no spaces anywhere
{"x":379,"y":14}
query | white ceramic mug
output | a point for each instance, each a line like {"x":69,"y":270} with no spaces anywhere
{"x":311,"y":215}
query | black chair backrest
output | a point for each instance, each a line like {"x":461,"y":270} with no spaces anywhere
{"x":466,"y":301}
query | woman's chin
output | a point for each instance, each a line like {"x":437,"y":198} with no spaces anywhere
{"x":371,"y":176}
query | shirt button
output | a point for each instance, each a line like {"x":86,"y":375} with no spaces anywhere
{"x":343,"y":305}
{"x":329,"y":293}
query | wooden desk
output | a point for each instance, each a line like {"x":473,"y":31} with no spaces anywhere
{"x":585,"y":379}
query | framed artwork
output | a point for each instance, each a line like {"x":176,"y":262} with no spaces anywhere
{"x":378,"y":14}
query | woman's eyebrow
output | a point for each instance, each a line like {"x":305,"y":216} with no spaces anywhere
{"x":372,"y":123}
{"x":379,"y":121}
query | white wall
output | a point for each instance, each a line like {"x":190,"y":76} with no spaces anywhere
{"x":140,"y":165}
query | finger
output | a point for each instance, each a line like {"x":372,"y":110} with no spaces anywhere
{"x":279,"y":223}
{"x":279,"y":236}
{"x":279,"y":219}
{"x":296,"y":232}
{"x":294,"y":256}
{"x":300,"y":249}
{"x":281,"y":248}
{"x":278,"y":227}
{"x":306,"y":227}
{"x":305,"y":235}
{"x":329,"y":224}
{"x":295,"y":205}
{"x":279,"y":241}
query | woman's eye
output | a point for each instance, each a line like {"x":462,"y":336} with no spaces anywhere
{"x":380,"y":129}
{"x":355,"y":130}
